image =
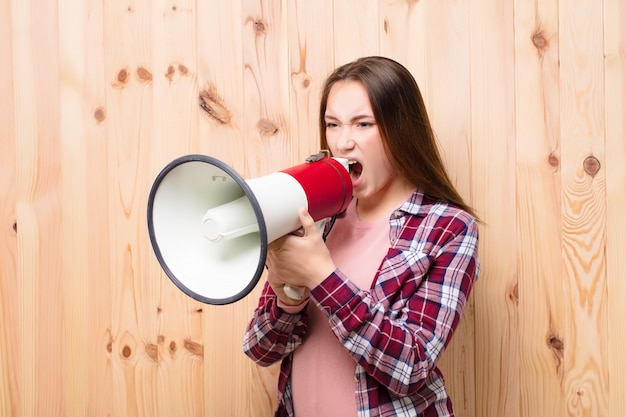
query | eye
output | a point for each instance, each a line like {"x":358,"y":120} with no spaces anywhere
{"x":365,"y":125}
{"x":331,"y":125}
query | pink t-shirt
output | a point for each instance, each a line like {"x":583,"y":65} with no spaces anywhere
{"x":323,"y":371}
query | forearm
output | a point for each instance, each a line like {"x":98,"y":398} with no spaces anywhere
{"x":273,"y":333}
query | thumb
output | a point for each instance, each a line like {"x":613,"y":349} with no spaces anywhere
{"x":306,"y":220}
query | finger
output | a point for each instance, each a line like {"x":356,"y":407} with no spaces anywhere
{"x":276,"y":244}
{"x":306,"y":220}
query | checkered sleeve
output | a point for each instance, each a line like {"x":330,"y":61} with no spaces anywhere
{"x":272,"y":334}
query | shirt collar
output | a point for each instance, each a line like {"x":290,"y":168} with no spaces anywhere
{"x":418,"y":204}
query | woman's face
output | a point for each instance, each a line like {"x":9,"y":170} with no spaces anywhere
{"x":352,"y":133}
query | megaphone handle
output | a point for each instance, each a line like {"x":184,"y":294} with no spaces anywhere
{"x":295,"y":293}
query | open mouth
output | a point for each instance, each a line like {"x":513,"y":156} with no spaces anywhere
{"x":355,"y":170}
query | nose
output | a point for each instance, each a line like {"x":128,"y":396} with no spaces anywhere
{"x":345,"y":141}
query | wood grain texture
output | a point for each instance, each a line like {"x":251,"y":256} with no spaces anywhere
{"x":356,"y":30}
{"x":585,"y":380}
{"x":10,"y":352}
{"x":310,"y":63}
{"x":95,"y":237}
{"x":72,"y":27}
{"x":493,"y":174}
{"x":615,"y":108}
{"x":542,"y":310}
{"x":37,"y":208}
{"x":266,"y":86}
{"x":134,"y":295}
{"x":527,"y":100}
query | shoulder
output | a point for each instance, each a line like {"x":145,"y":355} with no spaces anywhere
{"x":433,"y":223}
{"x":428,"y":212}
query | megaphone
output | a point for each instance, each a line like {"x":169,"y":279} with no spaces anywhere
{"x":210,"y":229}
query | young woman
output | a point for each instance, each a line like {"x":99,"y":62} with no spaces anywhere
{"x":385,"y":291}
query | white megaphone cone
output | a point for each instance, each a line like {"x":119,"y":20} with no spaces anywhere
{"x":210,"y":228}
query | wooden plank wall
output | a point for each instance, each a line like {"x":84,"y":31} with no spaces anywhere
{"x":528,"y":99}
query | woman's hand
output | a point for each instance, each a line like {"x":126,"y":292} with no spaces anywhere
{"x":299,"y":260}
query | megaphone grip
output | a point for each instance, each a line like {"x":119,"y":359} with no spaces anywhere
{"x":295,"y":293}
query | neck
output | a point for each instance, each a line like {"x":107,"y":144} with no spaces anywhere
{"x":374,"y":208}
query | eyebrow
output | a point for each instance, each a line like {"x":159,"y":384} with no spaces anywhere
{"x":354,"y":119}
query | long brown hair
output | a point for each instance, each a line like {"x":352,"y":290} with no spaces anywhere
{"x":403,"y":123}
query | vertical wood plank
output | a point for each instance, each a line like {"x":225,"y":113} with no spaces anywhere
{"x":220,"y":82}
{"x":129,"y":72}
{"x":98,"y":235}
{"x":72,"y":134}
{"x":266,"y":86}
{"x":27,"y":255}
{"x":615,"y":109}
{"x":310,"y":64}
{"x":542,"y":308}
{"x":402,"y":26}
{"x":538,"y":189}
{"x":585,"y":382}
{"x":356,"y":29}
{"x":493,"y":180}
{"x":10,"y":352}
{"x":36,"y":103}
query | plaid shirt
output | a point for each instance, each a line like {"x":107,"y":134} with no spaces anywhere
{"x":396,"y":331}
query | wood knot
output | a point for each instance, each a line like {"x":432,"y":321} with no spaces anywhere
{"x":267,"y":127}
{"x":194,"y":347}
{"x":260,"y":27}
{"x":15,"y":226}
{"x":152,"y":351}
{"x":99,"y":115}
{"x":126,"y":351}
{"x":514,"y":294}
{"x":183,"y":70}
{"x":144,"y":74}
{"x":123,"y":76}
{"x":214,"y":106}
{"x":556,"y":345}
{"x":170,"y":73}
{"x":539,"y":41}
{"x":301,"y":79}
{"x":591,"y":165}
{"x":173,"y":347}
{"x":553,"y":160}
